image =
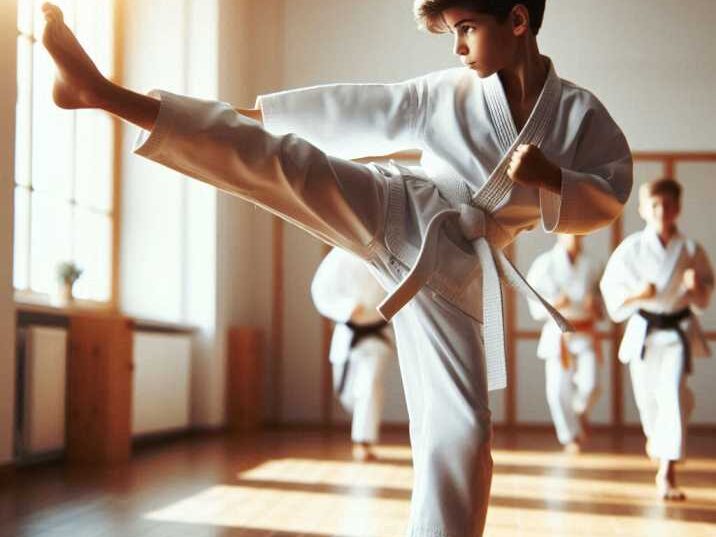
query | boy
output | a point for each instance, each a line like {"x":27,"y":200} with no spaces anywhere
{"x":569,"y":280}
{"x":344,"y":290}
{"x":657,"y":279}
{"x":506,"y":143}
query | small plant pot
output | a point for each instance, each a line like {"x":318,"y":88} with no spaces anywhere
{"x":63,"y":295}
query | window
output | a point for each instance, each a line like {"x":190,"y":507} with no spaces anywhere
{"x":64,"y":161}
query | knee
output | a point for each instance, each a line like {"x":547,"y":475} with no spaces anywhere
{"x":464,"y":440}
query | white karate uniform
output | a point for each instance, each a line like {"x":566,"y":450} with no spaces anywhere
{"x":343,"y":283}
{"x":397,"y":218}
{"x":570,"y":391}
{"x":658,"y":380}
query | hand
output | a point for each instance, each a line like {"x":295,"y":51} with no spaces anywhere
{"x":689,"y":280}
{"x":646,"y":292}
{"x":358,"y":313}
{"x":529,"y":167}
{"x":562,"y":301}
{"x":593,"y":305}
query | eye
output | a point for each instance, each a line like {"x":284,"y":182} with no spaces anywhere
{"x":465,"y":29}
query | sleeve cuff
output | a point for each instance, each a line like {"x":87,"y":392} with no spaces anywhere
{"x":552,"y":206}
{"x":149,"y":143}
{"x":272,"y":111}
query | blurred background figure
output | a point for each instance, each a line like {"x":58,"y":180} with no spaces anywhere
{"x":569,"y":279}
{"x":345,"y":292}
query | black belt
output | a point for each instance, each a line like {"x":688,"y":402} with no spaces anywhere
{"x":669,"y":321}
{"x":360,"y":332}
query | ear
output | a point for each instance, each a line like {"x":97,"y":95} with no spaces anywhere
{"x":640,"y":208}
{"x":520,"y":20}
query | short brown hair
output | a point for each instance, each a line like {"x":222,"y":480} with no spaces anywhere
{"x":666,"y":186}
{"x":429,"y":13}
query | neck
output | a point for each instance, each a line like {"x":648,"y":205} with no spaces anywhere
{"x":524,"y":79}
{"x":572,"y":255}
{"x":666,"y":234}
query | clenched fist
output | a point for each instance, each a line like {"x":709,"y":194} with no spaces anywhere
{"x":690,"y":281}
{"x":529,"y":167}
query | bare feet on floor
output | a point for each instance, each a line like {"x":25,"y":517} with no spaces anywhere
{"x":573,"y":448}
{"x":363,"y":452}
{"x":666,"y":482}
{"x":78,"y":82}
{"x":668,"y":490}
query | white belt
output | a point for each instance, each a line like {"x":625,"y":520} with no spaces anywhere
{"x":495,"y":268}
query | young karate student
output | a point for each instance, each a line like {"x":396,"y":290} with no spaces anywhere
{"x":345,"y":291}
{"x":657,"y":280}
{"x":569,"y":280}
{"x":505,"y":144}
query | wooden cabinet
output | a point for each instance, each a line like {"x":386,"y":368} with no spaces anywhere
{"x":99,"y":389}
{"x":244,"y":394}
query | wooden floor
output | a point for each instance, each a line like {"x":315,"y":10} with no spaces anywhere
{"x":290,"y":483}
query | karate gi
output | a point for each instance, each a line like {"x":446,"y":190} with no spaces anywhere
{"x":659,"y":359}
{"x":343,"y":283}
{"x":442,"y":227}
{"x":571,"y":381}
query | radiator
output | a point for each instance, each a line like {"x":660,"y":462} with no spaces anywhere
{"x":43,"y":369}
{"x":161,"y":387}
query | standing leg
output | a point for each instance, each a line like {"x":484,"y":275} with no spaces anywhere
{"x":370,"y":363}
{"x":673,"y":402}
{"x":446,"y":391}
{"x":559,"y":399}
{"x":586,"y":380}
{"x":643,"y":388}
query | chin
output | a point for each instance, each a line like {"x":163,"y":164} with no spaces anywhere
{"x":483,"y":73}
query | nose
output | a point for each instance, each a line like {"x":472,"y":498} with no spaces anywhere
{"x":459,"y":46}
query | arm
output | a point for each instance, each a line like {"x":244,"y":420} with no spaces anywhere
{"x":540,"y":278}
{"x":350,"y":120}
{"x":619,"y":286}
{"x":699,"y":280}
{"x":592,"y":192}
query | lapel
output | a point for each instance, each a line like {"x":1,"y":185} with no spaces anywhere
{"x":666,"y":259}
{"x":498,"y":185}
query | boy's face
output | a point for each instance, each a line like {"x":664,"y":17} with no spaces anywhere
{"x":660,"y":211}
{"x":482,"y":43}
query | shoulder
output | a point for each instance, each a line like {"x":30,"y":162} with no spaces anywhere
{"x":581,"y":102}
{"x":630,"y":245}
{"x":450,"y":80}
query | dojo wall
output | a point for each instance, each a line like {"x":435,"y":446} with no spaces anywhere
{"x":650,"y":61}
{"x":8,"y":34}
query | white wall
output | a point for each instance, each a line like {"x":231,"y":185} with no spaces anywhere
{"x":8,"y":33}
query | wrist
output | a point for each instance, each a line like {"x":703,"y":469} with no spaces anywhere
{"x":552,"y":179}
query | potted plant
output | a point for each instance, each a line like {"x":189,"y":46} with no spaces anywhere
{"x":67,"y":274}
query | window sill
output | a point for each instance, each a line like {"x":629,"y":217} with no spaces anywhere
{"x":36,"y":304}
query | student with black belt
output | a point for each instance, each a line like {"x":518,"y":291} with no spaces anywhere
{"x":344,"y":291}
{"x":658,"y":280}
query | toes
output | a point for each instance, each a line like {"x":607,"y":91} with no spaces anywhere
{"x":52,"y":12}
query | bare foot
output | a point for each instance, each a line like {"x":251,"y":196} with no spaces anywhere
{"x":573,"y":448}
{"x":667,"y":490}
{"x":363,"y":452}
{"x":78,"y":82}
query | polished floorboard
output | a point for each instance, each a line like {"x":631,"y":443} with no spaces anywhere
{"x":303,"y":483}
